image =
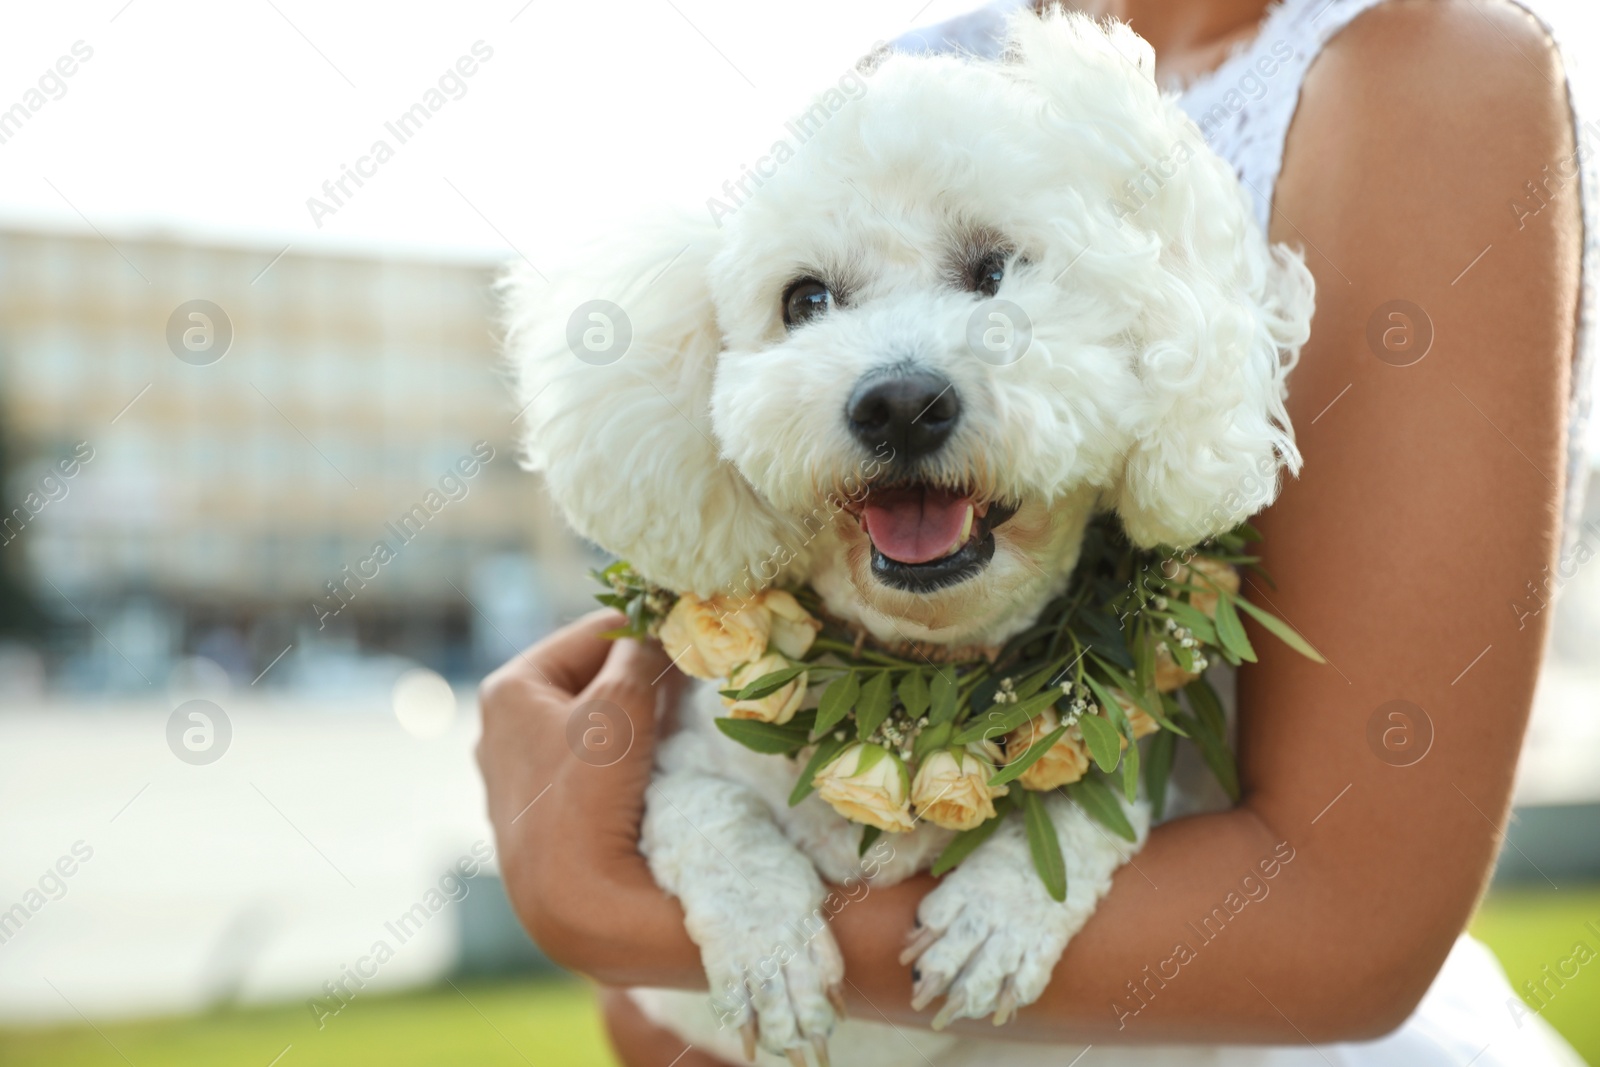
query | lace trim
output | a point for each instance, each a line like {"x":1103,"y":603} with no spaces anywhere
{"x":1245,"y":106}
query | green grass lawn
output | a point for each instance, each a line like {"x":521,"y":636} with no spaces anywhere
{"x":544,"y":1023}
{"x":1532,"y":930}
{"x":552,"y":1023}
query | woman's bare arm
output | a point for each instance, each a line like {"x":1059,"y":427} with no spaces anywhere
{"x":1431,"y":496}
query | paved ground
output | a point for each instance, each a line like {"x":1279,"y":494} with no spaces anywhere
{"x":261,"y":875}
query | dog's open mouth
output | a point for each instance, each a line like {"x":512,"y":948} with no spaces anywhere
{"x":925,"y":537}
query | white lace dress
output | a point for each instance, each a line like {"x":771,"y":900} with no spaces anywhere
{"x":1244,"y":109}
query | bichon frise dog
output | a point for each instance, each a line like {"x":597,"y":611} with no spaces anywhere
{"x":906,"y":362}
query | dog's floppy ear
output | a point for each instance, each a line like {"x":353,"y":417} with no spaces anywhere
{"x":1222,"y":313}
{"x":1214,"y":434}
{"x":613,"y":363}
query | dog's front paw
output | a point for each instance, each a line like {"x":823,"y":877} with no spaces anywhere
{"x":989,"y":935}
{"x":987,"y":944}
{"x":777,"y":984}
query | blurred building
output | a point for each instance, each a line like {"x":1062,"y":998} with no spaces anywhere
{"x":216,"y":477}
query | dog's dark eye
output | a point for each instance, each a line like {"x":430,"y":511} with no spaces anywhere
{"x":986,"y":276}
{"x":805,"y":300}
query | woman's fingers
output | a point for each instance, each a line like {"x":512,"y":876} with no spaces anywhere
{"x":575,"y":714}
{"x":527,"y":708}
{"x":568,"y":659}
{"x":613,"y":723}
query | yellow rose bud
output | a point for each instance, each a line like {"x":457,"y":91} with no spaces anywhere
{"x":1065,"y":762}
{"x":951,"y":790}
{"x":709,"y":638}
{"x":793,"y":628}
{"x":1210,"y":575}
{"x":778,"y":706}
{"x":868,"y":784}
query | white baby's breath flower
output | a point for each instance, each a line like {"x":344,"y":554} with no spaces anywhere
{"x":1168,"y":674}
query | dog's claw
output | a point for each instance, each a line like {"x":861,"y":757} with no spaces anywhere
{"x":747,"y":1033}
{"x":1006,"y":1006}
{"x":953,"y":1006}
{"x":926,"y":991}
{"x":920,"y":942}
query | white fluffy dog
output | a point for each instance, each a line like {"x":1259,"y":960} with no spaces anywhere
{"x":1008,"y":296}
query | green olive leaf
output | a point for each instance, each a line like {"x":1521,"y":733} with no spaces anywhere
{"x":943,"y":694}
{"x":1207,"y":707}
{"x":873,"y":707}
{"x":1130,"y":771}
{"x":1282,"y":631}
{"x":764,"y":737}
{"x":825,"y":754}
{"x":1014,"y":769}
{"x":1105,"y":743}
{"x":932,"y":739}
{"x":1158,"y":769}
{"x":1044,"y":845}
{"x":1001,"y":719}
{"x":768,"y":684}
{"x":1100,"y":804}
{"x":914,"y":694}
{"x":838,"y":699}
{"x":1230,"y":631}
{"x":1195,"y":620}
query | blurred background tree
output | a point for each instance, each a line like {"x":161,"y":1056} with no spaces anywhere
{"x":20,"y":618}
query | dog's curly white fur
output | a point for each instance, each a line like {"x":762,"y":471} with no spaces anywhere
{"x":1163,"y":328}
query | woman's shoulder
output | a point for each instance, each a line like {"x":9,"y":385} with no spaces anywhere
{"x":1476,"y":69}
{"x":1431,"y":115}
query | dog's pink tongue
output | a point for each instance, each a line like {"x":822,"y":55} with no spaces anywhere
{"x":914,"y":525}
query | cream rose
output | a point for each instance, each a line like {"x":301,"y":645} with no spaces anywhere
{"x":1209,"y":575}
{"x":776,"y":707}
{"x":952,"y":790}
{"x":1168,"y":675}
{"x":709,"y":638}
{"x":1064,"y":763}
{"x":1142,"y":722}
{"x":868,"y":784}
{"x":793,"y":628}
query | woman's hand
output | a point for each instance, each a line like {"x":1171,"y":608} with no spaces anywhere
{"x":569,"y":730}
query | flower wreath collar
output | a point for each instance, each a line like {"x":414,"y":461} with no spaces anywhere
{"x":893,"y":735}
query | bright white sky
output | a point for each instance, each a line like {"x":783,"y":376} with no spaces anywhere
{"x":218,"y":120}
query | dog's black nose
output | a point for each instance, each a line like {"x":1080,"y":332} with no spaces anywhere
{"x":913,"y":413}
